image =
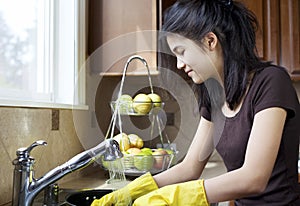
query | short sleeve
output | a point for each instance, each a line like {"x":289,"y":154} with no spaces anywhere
{"x":274,"y":88}
{"x":205,"y":112}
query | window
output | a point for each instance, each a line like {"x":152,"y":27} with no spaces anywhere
{"x":42,"y":46}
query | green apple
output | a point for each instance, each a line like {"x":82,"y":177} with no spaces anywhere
{"x":172,"y":155}
{"x":147,"y":150}
{"x":127,"y":160}
{"x":125,"y":104}
{"x":143,"y":161}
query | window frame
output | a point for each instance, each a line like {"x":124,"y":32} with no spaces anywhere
{"x":79,"y":64}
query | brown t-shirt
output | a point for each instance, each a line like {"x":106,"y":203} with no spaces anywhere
{"x":270,"y":87}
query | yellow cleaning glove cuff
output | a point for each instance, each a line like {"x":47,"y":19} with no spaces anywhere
{"x":124,"y":196}
{"x":184,"y":194}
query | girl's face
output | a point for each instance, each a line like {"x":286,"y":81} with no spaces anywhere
{"x":199,"y":63}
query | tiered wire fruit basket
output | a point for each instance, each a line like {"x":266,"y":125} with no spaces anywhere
{"x":138,"y":159}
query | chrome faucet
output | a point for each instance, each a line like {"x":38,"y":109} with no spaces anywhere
{"x":26,"y":187}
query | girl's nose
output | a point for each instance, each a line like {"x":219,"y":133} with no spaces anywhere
{"x":180,"y":64}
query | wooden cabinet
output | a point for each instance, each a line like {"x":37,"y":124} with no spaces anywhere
{"x":119,"y":29}
{"x":278,"y":38}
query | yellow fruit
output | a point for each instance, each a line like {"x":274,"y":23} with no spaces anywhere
{"x":123,"y":141}
{"x":133,"y":151}
{"x":156,"y":100}
{"x":135,"y":141}
{"x":142,"y":104}
{"x":125,"y":103}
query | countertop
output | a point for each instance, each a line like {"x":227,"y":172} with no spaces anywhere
{"x":96,"y":178}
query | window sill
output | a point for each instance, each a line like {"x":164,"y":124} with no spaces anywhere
{"x":28,"y":104}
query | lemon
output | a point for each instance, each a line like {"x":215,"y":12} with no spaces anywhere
{"x":156,"y":99}
{"x":142,"y":103}
{"x":135,"y":141}
{"x":123,"y":141}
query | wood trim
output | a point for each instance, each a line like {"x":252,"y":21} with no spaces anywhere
{"x":290,"y":37}
{"x":271,"y":31}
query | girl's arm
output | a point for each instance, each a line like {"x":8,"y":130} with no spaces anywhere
{"x":262,"y":149}
{"x":195,"y":160}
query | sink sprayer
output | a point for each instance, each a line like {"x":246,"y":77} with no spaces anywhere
{"x":26,"y":187}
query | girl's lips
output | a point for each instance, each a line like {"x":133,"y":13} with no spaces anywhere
{"x":188,"y":72}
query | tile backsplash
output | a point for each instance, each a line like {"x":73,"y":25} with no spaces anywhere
{"x":20,"y":127}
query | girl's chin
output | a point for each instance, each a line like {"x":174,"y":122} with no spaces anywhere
{"x":197,"y":80}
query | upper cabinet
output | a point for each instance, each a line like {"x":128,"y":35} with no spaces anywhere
{"x":278,"y":38}
{"x":119,"y":29}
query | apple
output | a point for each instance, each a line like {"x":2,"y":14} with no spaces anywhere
{"x":156,"y":99}
{"x":143,"y":161}
{"x":159,"y":156}
{"x":142,"y":104}
{"x":172,"y":155}
{"x":127,"y":160}
{"x":125,"y":104}
{"x":135,"y":141}
{"x":147,"y":150}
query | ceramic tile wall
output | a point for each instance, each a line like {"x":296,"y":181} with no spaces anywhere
{"x":19,"y":127}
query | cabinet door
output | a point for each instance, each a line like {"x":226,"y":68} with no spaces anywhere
{"x":290,"y":36}
{"x":268,"y":34}
{"x":119,"y":29}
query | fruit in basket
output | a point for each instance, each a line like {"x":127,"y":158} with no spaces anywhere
{"x":133,"y":151}
{"x":125,"y":103}
{"x":156,"y":99}
{"x":143,"y":161}
{"x":127,"y":160}
{"x":172,"y":155}
{"x":147,"y":150}
{"x":142,"y":103}
{"x":135,"y":141}
{"x":159,"y":156}
{"x":111,"y":165}
{"x":123,"y":141}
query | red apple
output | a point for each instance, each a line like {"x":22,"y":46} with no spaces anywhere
{"x":158,"y":156}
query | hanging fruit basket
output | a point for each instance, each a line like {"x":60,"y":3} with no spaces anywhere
{"x":138,"y":159}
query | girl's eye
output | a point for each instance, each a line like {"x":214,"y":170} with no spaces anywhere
{"x":181,"y":52}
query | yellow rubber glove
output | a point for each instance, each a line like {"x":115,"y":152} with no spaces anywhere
{"x":190,"y":193}
{"x":124,"y":196}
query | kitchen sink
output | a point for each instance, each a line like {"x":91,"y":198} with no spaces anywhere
{"x":84,"y":197}
{"x":70,"y":197}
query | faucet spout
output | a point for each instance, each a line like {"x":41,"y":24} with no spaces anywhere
{"x":26,"y":187}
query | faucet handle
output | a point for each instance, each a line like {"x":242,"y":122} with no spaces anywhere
{"x":25,"y":152}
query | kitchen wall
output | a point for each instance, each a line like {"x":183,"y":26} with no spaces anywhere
{"x":20,"y":127}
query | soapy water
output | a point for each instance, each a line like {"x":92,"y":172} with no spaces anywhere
{"x":118,"y":180}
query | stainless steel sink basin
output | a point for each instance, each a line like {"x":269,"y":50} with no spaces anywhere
{"x":70,"y":197}
{"x":85,"y":197}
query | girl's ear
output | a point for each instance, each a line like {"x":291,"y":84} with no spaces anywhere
{"x":211,"y":40}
